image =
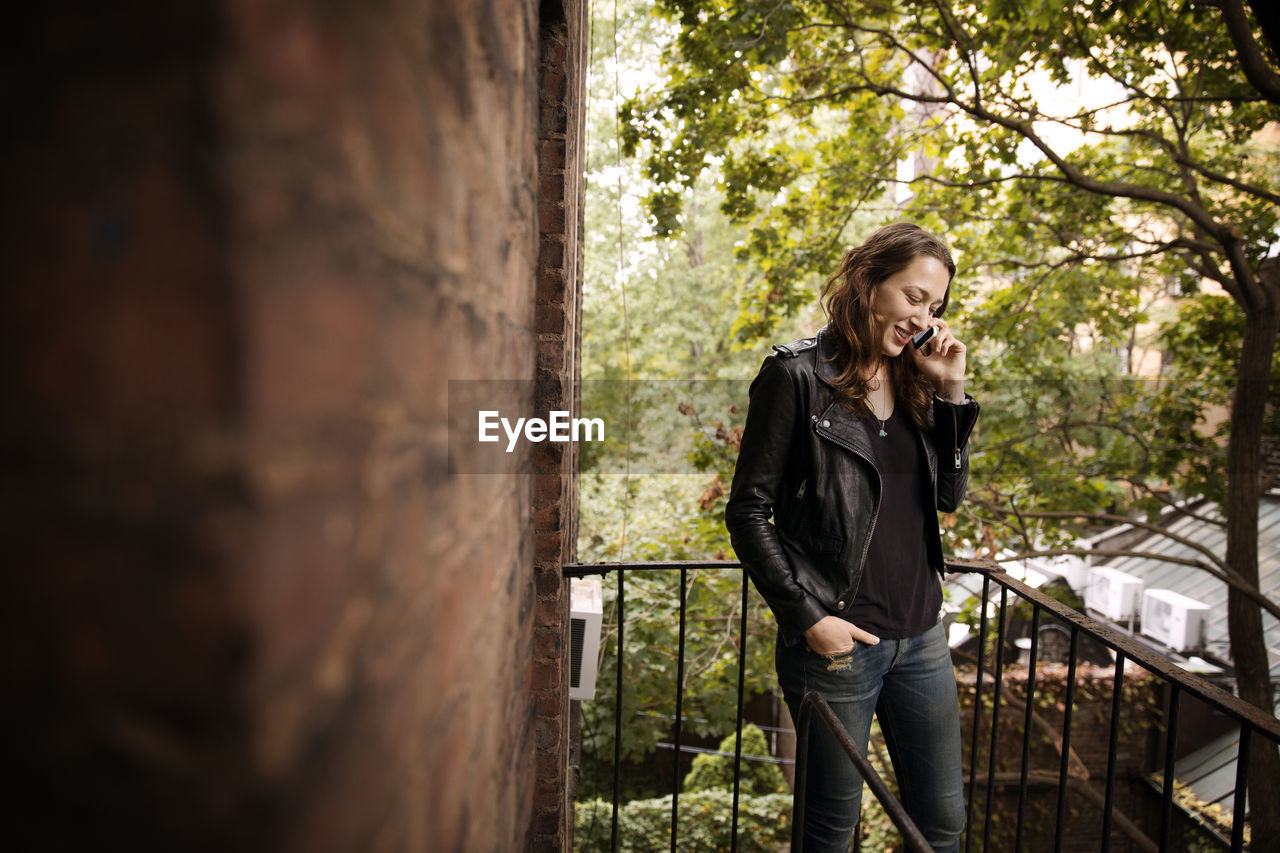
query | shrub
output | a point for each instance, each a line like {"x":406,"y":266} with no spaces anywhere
{"x":716,"y":771}
{"x":705,"y":823}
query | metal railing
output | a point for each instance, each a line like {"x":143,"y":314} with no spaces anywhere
{"x":1126,"y":649}
{"x":684,"y":567}
{"x":813,"y":703}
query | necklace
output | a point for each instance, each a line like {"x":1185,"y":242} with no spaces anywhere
{"x":876,"y":384}
{"x":883,"y":406}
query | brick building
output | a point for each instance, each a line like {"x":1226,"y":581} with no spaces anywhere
{"x":247,"y":606}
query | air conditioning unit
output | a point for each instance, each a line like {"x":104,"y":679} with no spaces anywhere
{"x":586,"y":615}
{"x":1173,"y":619}
{"x":1113,"y":593}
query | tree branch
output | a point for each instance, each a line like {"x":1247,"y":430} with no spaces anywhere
{"x":1252,"y":60}
{"x":1120,"y":519}
{"x":1074,"y":783}
{"x":1234,"y":581}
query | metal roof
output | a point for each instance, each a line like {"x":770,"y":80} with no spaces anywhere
{"x":1200,"y":585}
{"x":1210,"y":771}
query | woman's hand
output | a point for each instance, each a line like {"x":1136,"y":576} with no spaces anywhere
{"x":945,"y":364}
{"x":832,"y":635}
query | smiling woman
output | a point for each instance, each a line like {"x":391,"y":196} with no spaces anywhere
{"x":854,"y":441}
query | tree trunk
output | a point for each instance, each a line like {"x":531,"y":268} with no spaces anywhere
{"x":1244,"y":489}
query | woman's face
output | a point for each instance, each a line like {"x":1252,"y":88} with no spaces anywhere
{"x":905,"y":302}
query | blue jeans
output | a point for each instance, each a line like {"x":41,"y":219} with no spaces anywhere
{"x":911,"y":688}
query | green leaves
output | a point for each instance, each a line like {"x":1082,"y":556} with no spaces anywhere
{"x":715,"y":770}
{"x":1090,"y":163}
{"x":1097,"y":166}
{"x":706,"y":823}
{"x":650,"y":660}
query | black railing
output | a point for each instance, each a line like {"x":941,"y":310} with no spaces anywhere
{"x":1125,"y":648}
{"x":684,"y":567}
{"x":813,"y":703}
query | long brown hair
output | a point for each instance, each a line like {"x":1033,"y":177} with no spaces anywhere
{"x":847,"y":300}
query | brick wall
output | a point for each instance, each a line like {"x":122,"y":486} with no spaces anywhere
{"x":248,"y":606}
{"x":558,"y":311}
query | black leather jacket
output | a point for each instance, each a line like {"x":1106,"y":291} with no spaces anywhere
{"x":807,"y":460}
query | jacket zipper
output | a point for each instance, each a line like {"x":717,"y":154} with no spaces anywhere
{"x":955,"y":433}
{"x":800,"y":492}
{"x":875,"y":515}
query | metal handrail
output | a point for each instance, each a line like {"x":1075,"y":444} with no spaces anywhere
{"x":1138,"y":652}
{"x":911,"y":834}
{"x":1251,"y":720}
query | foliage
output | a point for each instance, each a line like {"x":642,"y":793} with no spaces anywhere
{"x":784,"y":131}
{"x":756,"y":777}
{"x":658,"y":367}
{"x":713,"y":629}
{"x":705,"y":823}
{"x":706,"y":808}
{"x":1094,"y":689}
{"x":1214,"y":814}
{"x":1075,"y":218}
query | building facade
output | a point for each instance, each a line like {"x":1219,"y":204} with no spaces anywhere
{"x":250,"y":606}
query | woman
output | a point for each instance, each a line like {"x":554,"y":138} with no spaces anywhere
{"x":854,"y":440}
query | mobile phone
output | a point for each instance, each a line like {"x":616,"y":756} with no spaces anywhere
{"x":923,"y":337}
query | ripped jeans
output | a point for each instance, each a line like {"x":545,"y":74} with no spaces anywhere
{"x":911,"y":687}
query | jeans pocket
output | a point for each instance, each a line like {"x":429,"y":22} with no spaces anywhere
{"x":836,"y":661}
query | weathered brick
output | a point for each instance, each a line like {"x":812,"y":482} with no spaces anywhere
{"x":555,"y":55}
{"x":548,"y":545}
{"x":551,"y":156}
{"x":270,"y":287}
{"x":551,"y":217}
{"x":555,"y":117}
{"x":551,"y":285}
{"x":548,"y":489}
{"x":549,"y":583}
{"x":551,"y":257}
{"x":548,"y":516}
{"x":549,"y":318}
{"x":547,"y":645}
{"x":547,"y":829}
{"x":546,"y":676}
{"x":553,"y":80}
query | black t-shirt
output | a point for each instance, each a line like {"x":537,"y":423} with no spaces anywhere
{"x":899,"y":595}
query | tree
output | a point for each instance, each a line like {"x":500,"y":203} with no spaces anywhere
{"x":657,"y":319}
{"x":1159,"y":175}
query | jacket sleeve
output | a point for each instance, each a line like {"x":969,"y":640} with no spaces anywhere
{"x":952,"y":424}
{"x":772,"y":420}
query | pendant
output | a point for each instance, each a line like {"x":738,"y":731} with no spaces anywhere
{"x":882,"y":432}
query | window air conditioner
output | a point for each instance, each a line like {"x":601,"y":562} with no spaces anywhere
{"x":586,"y":613}
{"x":1173,"y":619}
{"x":1113,"y":593}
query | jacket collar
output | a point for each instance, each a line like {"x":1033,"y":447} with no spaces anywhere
{"x":836,"y":422}
{"x":824,"y":366}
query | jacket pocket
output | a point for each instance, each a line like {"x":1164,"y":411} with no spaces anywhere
{"x":820,"y":543}
{"x":815,"y":559}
